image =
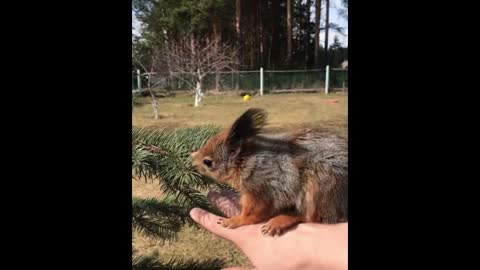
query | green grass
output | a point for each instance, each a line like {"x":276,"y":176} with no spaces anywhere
{"x":286,"y":111}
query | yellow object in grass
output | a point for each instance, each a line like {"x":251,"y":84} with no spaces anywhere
{"x":246,"y":98}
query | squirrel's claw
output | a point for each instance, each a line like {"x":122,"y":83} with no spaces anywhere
{"x":269,"y":230}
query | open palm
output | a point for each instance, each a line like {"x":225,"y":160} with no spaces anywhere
{"x":306,"y":246}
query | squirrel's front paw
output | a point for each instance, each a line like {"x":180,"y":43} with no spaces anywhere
{"x":232,"y":223}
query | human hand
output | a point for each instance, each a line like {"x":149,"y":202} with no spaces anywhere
{"x":306,"y":246}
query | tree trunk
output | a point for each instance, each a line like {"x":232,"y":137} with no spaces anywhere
{"x":327,"y":2}
{"x":198,"y":89}
{"x":154,"y":98}
{"x":307,"y":33}
{"x":198,"y":94}
{"x":260,"y":31}
{"x":274,"y":55}
{"x":256,"y":37}
{"x":155,"y":105}
{"x":289,"y":31}
{"x":217,"y":39}
{"x":238,"y":31}
{"x":318,"y":7}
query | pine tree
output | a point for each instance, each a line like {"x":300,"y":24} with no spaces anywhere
{"x":164,"y":156}
{"x":336,"y":43}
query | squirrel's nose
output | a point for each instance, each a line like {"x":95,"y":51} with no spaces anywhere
{"x":193,"y":154}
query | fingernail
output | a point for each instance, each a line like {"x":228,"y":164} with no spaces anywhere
{"x":195,"y":213}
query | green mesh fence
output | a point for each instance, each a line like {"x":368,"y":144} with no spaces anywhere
{"x":290,"y":80}
{"x":338,"y":78}
{"x":250,"y":80}
{"x":304,"y":79}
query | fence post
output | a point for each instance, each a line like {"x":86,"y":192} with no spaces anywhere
{"x":139,"y":81}
{"x":327,"y":79}
{"x":261,"y":81}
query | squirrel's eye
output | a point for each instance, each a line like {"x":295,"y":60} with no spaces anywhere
{"x":207,"y":162}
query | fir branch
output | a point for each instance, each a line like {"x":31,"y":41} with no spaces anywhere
{"x":165,"y":155}
{"x":151,"y":263}
{"x":156,"y":218}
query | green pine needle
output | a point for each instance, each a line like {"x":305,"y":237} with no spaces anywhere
{"x":151,"y":263}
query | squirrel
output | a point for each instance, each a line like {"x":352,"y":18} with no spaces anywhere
{"x":284,"y":179}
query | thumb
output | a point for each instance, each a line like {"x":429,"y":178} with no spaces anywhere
{"x":209,"y":221}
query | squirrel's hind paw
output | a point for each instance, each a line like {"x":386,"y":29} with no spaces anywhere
{"x":278,"y":225}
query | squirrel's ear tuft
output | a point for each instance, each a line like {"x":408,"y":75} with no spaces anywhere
{"x":247,"y":125}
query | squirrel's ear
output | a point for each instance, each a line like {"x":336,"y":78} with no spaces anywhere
{"x":247,"y":125}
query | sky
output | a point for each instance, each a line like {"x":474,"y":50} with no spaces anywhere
{"x":334,"y":18}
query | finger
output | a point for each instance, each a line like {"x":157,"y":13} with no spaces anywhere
{"x":209,"y":222}
{"x":226,"y":201}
